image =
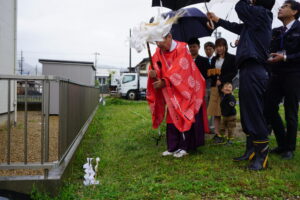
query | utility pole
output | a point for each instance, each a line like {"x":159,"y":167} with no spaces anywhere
{"x":129,"y":50}
{"x":96,"y":58}
{"x":36,"y":70}
{"x":21,"y":63}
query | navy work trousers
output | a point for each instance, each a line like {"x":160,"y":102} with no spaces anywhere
{"x":252,"y":87}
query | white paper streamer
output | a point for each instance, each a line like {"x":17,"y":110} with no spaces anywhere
{"x":90,"y":173}
{"x":152,"y":32}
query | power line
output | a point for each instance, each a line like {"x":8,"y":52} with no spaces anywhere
{"x":34,"y":54}
{"x":59,"y":53}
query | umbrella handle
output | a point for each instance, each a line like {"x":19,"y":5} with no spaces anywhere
{"x":210,"y":21}
{"x":212,"y":24}
{"x":233,"y":45}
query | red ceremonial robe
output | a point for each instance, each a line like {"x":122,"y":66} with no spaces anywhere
{"x":184,"y":91}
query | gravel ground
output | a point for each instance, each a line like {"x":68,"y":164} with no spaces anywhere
{"x":34,"y":142}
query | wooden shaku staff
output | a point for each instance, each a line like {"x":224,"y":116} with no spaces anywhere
{"x":150,"y":56}
{"x":157,"y":139}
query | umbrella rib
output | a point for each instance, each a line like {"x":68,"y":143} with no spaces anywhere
{"x":229,"y":12}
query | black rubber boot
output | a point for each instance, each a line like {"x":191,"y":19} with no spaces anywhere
{"x":261,"y":155}
{"x":249,"y":153}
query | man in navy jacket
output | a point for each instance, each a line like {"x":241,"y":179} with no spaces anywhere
{"x":285,"y":79}
{"x":252,"y":52}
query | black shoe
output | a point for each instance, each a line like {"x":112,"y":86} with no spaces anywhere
{"x":229,"y":142}
{"x":249,"y":153}
{"x":215,"y":137}
{"x":288,"y":155}
{"x":218,"y":139}
{"x":277,"y":150}
{"x":260,"y":160}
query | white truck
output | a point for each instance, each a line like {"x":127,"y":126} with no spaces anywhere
{"x":114,"y":81}
{"x":132,"y":86}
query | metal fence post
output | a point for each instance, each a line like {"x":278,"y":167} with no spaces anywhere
{"x":62,"y":118}
{"x":60,"y":129}
{"x":25,"y":122}
{"x":43,"y":123}
{"x":66,"y":137}
{"x":8,"y":123}
{"x":46,"y":141}
{"x":47,"y":103}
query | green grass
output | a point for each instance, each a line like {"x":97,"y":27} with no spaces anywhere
{"x":281,"y":109}
{"x":132,"y":167}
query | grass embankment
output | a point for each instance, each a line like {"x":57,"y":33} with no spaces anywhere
{"x":132,"y":167}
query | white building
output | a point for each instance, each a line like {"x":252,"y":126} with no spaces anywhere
{"x":8,"y":46}
{"x":102,"y":76}
{"x":109,"y":75}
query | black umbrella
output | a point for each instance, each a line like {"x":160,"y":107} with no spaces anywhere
{"x":176,"y":4}
{"x":191,"y":24}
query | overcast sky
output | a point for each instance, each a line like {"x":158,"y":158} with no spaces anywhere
{"x":76,"y":29}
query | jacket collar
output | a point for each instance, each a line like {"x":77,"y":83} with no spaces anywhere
{"x":294,"y":25}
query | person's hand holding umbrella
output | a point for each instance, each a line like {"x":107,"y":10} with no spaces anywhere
{"x":211,"y":16}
